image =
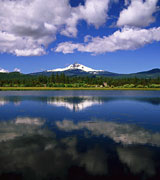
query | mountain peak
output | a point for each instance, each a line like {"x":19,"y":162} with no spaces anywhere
{"x":75,"y":66}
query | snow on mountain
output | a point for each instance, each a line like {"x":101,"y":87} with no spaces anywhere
{"x":75,"y":66}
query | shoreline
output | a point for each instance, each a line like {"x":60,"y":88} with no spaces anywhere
{"x":67,"y":89}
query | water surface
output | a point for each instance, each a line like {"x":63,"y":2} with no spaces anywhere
{"x":80,"y":135}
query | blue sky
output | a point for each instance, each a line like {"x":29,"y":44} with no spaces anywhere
{"x":114,"y":35}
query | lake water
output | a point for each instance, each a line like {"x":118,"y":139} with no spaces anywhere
{"x":80,"y":135}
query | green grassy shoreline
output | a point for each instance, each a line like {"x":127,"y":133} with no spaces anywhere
{"x":64,"y":88}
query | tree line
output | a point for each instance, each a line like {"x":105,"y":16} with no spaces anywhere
{"x":61,"y":80}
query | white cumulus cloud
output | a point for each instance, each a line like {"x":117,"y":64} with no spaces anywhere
{"x":93,"y":12}
{"x":3,"y":70}
{"x":139,"y":13}
{"x":125,"y":39}
{"x":27,"y":27}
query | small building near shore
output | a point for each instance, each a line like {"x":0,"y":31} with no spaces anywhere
{"x":105,"y":84}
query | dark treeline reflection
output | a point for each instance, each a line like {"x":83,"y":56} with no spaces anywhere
{"x":99,"y":135}
{"x":75,"y":99}
{"x":85,"y":150}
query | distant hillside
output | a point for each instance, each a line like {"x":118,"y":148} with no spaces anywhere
{"x":80,"y":79}
{"x":154,"y":73}
{"x":81,"y":70}
{"x":12,"y":75}
{"x":76,"y":70}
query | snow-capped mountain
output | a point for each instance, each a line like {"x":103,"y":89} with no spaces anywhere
{"x":75,"y":66}
{"x":76,"y":70}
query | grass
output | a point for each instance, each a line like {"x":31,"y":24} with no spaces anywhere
{"x":65,"y":88}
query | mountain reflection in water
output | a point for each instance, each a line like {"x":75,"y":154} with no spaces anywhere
{"x":80,"y":135}
{"x":74,"y":103}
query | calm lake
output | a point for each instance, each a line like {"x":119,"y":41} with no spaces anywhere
{"x":80,"y":135}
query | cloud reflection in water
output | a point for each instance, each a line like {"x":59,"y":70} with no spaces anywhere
{"x":37,"y":153}
{"x":120,"y":133}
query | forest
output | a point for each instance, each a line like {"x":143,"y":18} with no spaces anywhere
{"x":16,"y":79}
